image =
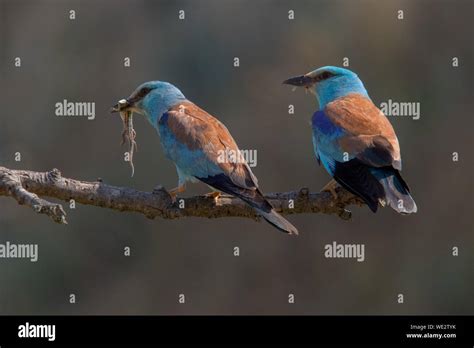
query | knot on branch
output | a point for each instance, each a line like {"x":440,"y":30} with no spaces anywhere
{"x":159,"y":190}
{"x":303,"y":198}
{"x":54,"y":174}
{"x":163,"y":195}
{"x":303,"y":194}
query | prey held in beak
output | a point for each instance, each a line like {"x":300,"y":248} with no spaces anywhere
{"x":121,"y":105}
{"x":128,"y":133}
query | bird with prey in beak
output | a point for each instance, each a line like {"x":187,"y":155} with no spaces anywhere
{"x":194,"y":140}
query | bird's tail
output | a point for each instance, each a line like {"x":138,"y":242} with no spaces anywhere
{"x":264,"y":208}
{"x":278,"y":221}
{"x":397,"y":193}
{"x":254,"y":198}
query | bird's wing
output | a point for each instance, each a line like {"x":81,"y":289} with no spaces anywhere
{"x":366,"y":132}
{"x":204,"y":134}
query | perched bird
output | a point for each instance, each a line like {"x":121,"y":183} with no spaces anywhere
{"x":196,"y":141}
{"x":354,"y":140}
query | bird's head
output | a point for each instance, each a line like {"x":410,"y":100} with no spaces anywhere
{"x":329,"y":83}
{"x":151,"y":99}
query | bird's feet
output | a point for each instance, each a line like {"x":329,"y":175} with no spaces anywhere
{"x":331,"y":187}
{"x":174,"y":192}
{"x":215,"y":195}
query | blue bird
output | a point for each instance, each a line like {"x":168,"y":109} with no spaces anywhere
{"x":197,"y":143}
{"x":354,"y":140}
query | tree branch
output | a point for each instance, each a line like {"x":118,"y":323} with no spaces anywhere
{"x":26,"y":187}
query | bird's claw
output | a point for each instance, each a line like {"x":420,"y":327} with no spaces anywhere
{"x":214,"y":195}
{"x":331,"y":187}
{"x":173,"y":197}
{"x":174,"y":192}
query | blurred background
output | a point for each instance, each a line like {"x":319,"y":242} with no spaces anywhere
{"x":407,"y":60}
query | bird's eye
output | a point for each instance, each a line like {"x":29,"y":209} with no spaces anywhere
{"x":139,"y":95}
{"x":324,"y":76}
{"x":143,"y":92}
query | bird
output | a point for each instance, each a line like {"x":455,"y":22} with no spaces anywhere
{"x":354,"y":140}
{"x":197,"y":143}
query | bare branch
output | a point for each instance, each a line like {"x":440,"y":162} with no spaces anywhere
{"x":26,"y":187}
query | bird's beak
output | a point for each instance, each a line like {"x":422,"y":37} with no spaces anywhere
{"x":300,"y":81}
{"x":121,"y":105}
